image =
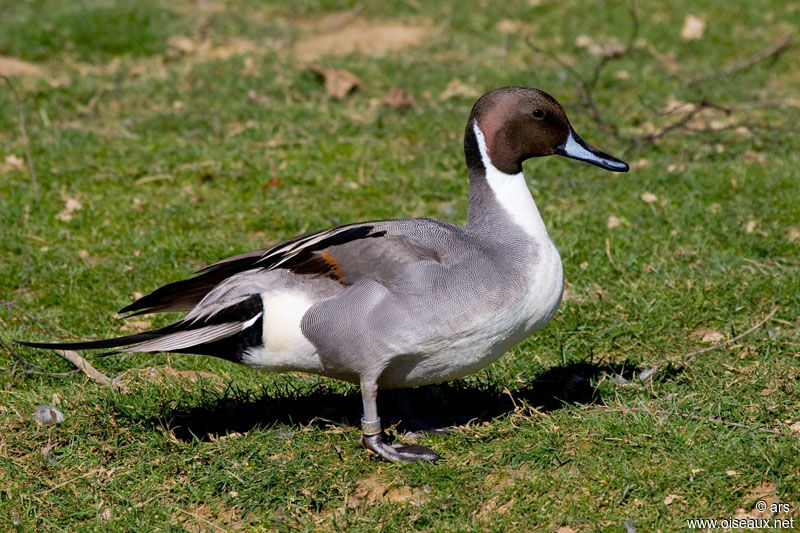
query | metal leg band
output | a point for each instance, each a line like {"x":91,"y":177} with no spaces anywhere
{"x":372,"y":427}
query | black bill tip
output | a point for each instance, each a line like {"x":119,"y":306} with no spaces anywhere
{"x":576,"y":148}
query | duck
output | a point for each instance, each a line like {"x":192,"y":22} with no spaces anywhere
{"x":390,"y":303}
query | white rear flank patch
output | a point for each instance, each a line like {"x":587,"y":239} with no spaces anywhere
{"x":285,"y":347}
{"x":512,"y":193}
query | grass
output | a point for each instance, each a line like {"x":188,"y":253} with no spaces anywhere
{"x":178,"y":157}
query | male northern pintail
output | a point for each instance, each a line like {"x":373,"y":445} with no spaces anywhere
{"x":391,"y":303}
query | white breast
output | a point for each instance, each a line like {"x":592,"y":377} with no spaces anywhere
{"x":512,"y":194}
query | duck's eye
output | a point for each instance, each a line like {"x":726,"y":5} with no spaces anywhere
{"x":538,"y":113}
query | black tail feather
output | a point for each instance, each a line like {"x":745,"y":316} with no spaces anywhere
{"x":238,"y":313}
{"x":95,"y":345}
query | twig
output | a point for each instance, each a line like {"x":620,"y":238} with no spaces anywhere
{"x":581,"y":86}
{"x":585,"y":87}
{"x":731,"y":340}
{"x":95,"y":375}
{"x":678,"y":124}
{"x":212,"y":524}
{"x":13,"y":301}
{"x":25,"y":139}
{"x":713,"y":419}
{"x":26,"y":366}
{"x":608,"y":57}
{"x":773,"y":51}
{"x":608,"y":251}
{"x":14,"y":307}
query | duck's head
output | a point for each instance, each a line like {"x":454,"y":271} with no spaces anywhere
{"x":512,"y":124}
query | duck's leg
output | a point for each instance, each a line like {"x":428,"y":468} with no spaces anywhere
{"x":372,"y":433}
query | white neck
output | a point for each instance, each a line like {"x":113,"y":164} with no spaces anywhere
{"x":512,"y":193}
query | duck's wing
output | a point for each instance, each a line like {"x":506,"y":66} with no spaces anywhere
{"x":225,"y":300}
{"x":377,"y":250}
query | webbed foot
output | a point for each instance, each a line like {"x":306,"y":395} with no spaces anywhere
{"x":404,"y":453}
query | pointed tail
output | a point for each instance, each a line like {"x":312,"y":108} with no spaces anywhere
{"x":211,"y":334}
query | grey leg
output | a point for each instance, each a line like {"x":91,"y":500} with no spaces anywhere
{"x":372,"y":433}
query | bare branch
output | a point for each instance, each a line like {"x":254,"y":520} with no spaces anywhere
{"x":26,"y":366}
{"x":82,"y":364}
{"x":677,"y":124}
{"x":25,"y":139}
{"x":53,"y":330}
{"x":773,"y":51}
{"x":608,"y":57}
{"x":585,"y":87}
{"x":733,"y":339}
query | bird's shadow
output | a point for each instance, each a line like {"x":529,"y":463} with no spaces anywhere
{"x":214,"y":414}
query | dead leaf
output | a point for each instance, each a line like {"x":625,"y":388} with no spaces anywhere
{"x":640,"y":163}
{"x":402,"y":494}
{"x":368,"y":490}
{"x":670,"y":498}
{"x":613,"y":222}
{"x":183,"y":44}
{"x":457,"y":88}
{"x":338,"y":82}
{"x":793,"y":234}
{"x":70,"y":206}
{"x":399,"y":99}
{"x":136,"y":325}
{"x":649,"y":197}
{"x":795,"y":428}
{"x":205,"y":50}
{"x":503,"y":509}
{"x":609,"y":49}
{"x":508,"y":27}
{"x":693,"y":28}
{"x":750,"y":226}
{"x":361,"y":36}
{"x":257,"y":98}
{"x":12,"y":162}
{"x":566,"y":529}
{"x":732,"y":472}
{"x":10,"y":66}
{"x":708,"y":335}
{"x":754,"y":157}
{"x":763,"y":491}
{"x":371,"y":489}
{"x":674,"y":105}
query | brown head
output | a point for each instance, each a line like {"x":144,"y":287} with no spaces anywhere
{"x":518,"y":123}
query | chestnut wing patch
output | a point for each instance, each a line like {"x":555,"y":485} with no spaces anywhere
{"x":301,"y":254}
{"x":382,"y":259}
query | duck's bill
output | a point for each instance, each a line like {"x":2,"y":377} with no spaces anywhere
{"x":576,"y":148}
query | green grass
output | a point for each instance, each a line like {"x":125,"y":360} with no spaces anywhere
{"x":175,"y":165}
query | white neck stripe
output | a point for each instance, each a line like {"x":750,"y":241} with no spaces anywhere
{"x":511,"y":192}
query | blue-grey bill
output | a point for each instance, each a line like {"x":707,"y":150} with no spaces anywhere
{"x":576,"y":148}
